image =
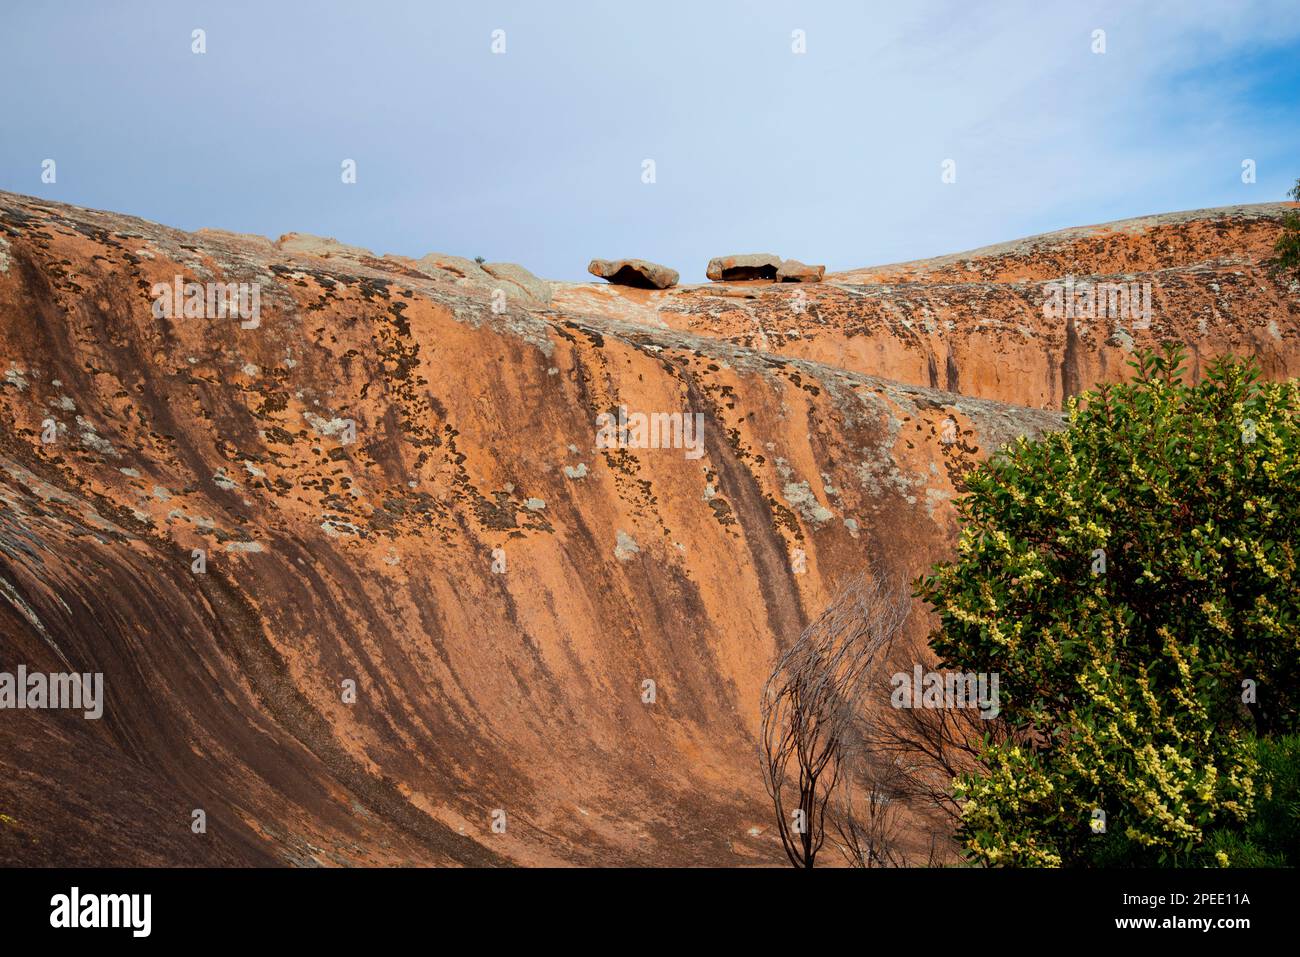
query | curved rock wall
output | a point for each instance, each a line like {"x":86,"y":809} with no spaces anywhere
{"x":394,"y":479}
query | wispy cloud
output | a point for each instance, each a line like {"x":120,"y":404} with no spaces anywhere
{"x":536,"y":155}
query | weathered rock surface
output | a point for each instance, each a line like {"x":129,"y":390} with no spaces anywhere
{"x":976,"y":323}
{"x":792,"y":270}
{"x":639,"y":273}
{"x":323,"y":247}
{"x":512,"y":274}
{"x":456,"y":266}
{"x":518,"y":284}
{"x":743,"y":267}
{"x":396,"y":486}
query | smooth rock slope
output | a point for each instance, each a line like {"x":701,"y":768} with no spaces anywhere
{"x":430,"y":600}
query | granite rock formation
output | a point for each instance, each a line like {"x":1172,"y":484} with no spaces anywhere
{"x":639,"y":273}
{"x":363,"y":577}
{"x":743,"y":267}
{"x":792,"y":270}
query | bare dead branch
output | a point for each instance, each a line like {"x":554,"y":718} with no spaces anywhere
{"x":834,"y":752}
{"x":812,"y":702}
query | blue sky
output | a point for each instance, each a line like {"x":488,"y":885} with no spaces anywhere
{"x":536,"y":155}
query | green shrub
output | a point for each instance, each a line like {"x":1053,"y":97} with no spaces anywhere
{"x":1132,"y":579}
{"x":1272,"y":836}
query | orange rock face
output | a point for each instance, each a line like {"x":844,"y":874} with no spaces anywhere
{"x":1030,"y":322}
{"x":380,"y":567}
